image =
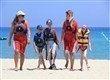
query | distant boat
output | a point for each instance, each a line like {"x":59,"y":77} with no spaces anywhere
{"x":4,"y":38}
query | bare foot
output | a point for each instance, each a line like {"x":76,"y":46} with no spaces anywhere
{"x":44,"y":67}
{"x":21,"y":68}
{"x":81,"y":69}
{"x":66,"y":65}
{"x":88,"y":67}
{"x":38,"y":67}
{"x":71,"y":69}
{"x":16,"y":68}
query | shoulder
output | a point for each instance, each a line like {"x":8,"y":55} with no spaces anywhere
{"x":35,"y":34}
{"x":45,"y":29}
{"x":88,"y":31}
{"x":79,"y":30}
{"x":64,"y":24}
{"x":25,"y":21}
{"x":75,"y":22}
{"x":53,"y":30}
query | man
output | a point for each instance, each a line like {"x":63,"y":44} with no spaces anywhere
{"x":69,"y":31}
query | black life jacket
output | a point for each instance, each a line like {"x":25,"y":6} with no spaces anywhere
{"x":50,"y":36}
{"x":68,"y":28}
{"x":39,"y":40}
{"x":20,"y":28}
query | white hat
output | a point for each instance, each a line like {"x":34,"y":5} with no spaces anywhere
{"x":20,"y":13}
{"x":84,"y":26}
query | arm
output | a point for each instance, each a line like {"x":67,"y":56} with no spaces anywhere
{"x":35,"y":47}
{"x":56,"y":39}
{"x":44,"y":35}
{"x":63,"y":33}
{"x":90,"y":47}
{"x":11,"y":34}
{"x":34,"y":44}
{"x":76,"y":28}
{"x":28,"y":32}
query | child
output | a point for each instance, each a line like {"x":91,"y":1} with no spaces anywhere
{"x":51,"y":40}
{"x":39,"y":45}
{"x":83,"y":42}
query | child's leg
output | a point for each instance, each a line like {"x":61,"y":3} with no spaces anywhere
{"x":81,"y":62}
{"x":39,"y":59}
{"x":54,"y":57}
{"x":86,"y":59}
{"x":81,"y":59}
{"x":54,"y":53}
{"x":38,"y":63}
{"x":43,"y":59}
{"x":49,"y":54}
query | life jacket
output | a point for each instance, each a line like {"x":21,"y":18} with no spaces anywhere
{"x":49,"y":36}
{"x":39,"y":40}
{"x":69,"y":30}
{"x":83,"y":39}
{"x":20,"y":28}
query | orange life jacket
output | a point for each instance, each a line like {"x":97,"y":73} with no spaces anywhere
{"x":83,"y":39}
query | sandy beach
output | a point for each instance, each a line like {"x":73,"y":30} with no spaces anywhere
{"x":99,"y":69}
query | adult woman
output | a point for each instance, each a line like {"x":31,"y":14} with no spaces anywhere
{"x":21,"y":33}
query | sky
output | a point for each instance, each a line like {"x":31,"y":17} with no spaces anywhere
{"x":93,"y":13}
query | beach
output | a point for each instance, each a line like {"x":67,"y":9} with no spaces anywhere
{"x":99,"y":69}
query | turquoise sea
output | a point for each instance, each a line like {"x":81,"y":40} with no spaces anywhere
{"x":100,"y":39}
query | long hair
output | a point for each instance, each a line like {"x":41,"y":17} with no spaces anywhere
{"x":15,"y":20}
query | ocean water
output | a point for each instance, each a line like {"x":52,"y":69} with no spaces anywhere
{"x":100,"y":39}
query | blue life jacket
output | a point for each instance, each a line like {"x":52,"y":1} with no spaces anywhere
{"x":38,"y":39}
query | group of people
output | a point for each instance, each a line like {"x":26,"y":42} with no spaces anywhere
{"x":72,"y":38}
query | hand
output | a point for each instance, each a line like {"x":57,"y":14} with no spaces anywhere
{"x":28,"y":40}
{"x":76,"y":48}
{"x":36,"y":51}
{"x":58,"y":47}
{"x":9,"y":43}
{"x":62,"y":42}
{"x":90,"y":49}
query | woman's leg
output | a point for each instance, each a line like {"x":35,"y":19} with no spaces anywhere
{"x":16,"y":60}
{"x":22,"y":52}
{"x":21,"y":60}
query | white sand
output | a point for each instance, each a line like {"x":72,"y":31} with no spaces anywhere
{"x":99,"y":70}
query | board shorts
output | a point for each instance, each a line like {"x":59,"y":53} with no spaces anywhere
{"x":51,"y":50}
{"x":68,"y":45}
{"x":20,"y":42}
{"x":82,"y":52}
